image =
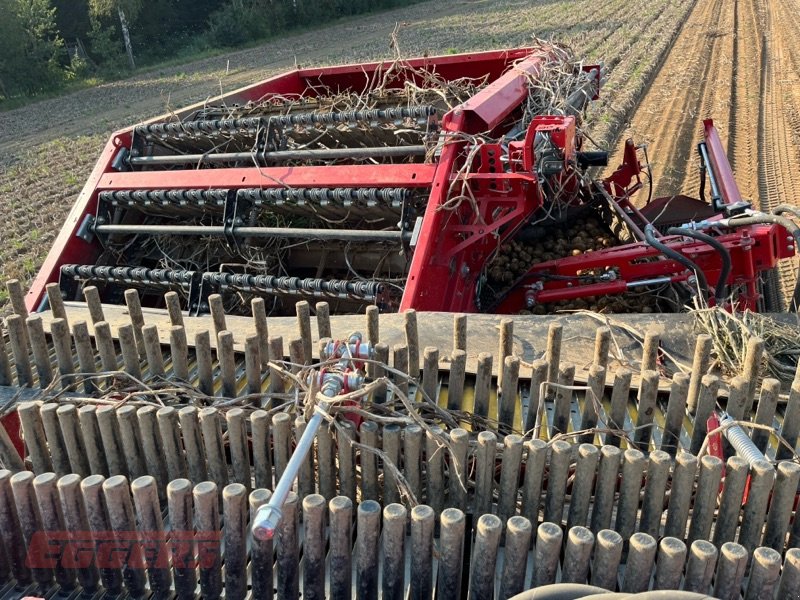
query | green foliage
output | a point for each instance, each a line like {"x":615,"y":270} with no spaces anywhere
{"x":241,"y":21}
{"x":31,"y":50}
{"x":106,"y":47}
{"x":109,"y":8}
{"x":33,"y":60}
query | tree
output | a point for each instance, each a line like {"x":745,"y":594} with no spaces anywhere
{"x":72,"y":19}
{"x":30,"y":47}
{"x":124,"y":10}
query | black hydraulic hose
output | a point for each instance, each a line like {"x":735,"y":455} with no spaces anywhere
{"x":650,"y":238}
{"x":722,"y":284}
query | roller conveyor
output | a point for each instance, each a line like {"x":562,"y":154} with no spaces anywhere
{"x":196,"y":284}
{"x":136,"y":276}
{"x":334,"y":203}
{"x":391,"y":133}
{"x":253,"y":124}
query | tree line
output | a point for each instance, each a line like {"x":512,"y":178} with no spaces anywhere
{"x":45,"y":44}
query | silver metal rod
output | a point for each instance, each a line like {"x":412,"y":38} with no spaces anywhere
{"x":651,"y":281}
{"x":350,"y":235}
{"x":268,"y":516}
{"x":712,"y":178}
{"x":635,"y":229}
{"x":281,"y":155}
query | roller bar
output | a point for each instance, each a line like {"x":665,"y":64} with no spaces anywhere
{"x":165,"y":278}
{"x":280,"y":156}
{"x":214,"y":198}
{"x":391,"y":196}
{"x":254,"y":124}
{"x":362,"y":291}
{"x":345,"y":235}
{"x":199,"y":285}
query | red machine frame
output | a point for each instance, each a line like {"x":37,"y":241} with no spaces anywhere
{"x":457,"y":238}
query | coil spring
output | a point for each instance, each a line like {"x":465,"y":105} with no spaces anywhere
{"x":129,"y":275}
{"x":738,"y":438}
{"x":167,"y":198}
{"x":365,"y":291}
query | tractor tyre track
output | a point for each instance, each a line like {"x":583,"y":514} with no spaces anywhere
{"x":778,"y":157}
{"x":668,"y":115}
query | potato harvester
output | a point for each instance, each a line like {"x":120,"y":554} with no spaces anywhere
{"x":382,"y":330}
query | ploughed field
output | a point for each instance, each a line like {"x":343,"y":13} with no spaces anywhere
{"x":737,"y":62}
{"x":669,"y":64}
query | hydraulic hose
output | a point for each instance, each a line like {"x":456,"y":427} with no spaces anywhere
{"x":650,"y":238}
{"x":788,"y":224}
{"x":722,"y":284}
{"x":575,"y":591}
{"x":787,"y":208}
{"x":762,"y":218}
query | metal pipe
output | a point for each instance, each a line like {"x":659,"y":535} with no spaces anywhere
{"x":651,"y":281}
{"x":281,"y":155}
{"x":715,"y":195}
{"x":677,"y":257}
{"x":349,"y":235}
{"x":635,"y":229}
{"x":578,"y":100}
{"x":268,"y":517}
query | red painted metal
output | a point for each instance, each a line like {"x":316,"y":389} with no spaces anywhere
{"x":714,"y":439}
{"x":492,"y":65}
{"x":272,"y":177}
{"x":728,"y":188}
{"x":13,"y":427}
{"x":752,"y":250}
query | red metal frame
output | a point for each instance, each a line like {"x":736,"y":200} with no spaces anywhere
{"x":472,"y":208}
{"x":481,"y":110}
{"x":752,"y":249}
{"x":719,"y":162}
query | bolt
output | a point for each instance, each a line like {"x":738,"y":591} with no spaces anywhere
{"x":266,"y":522}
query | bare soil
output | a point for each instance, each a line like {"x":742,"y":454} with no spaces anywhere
{"x":735,"y":61}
